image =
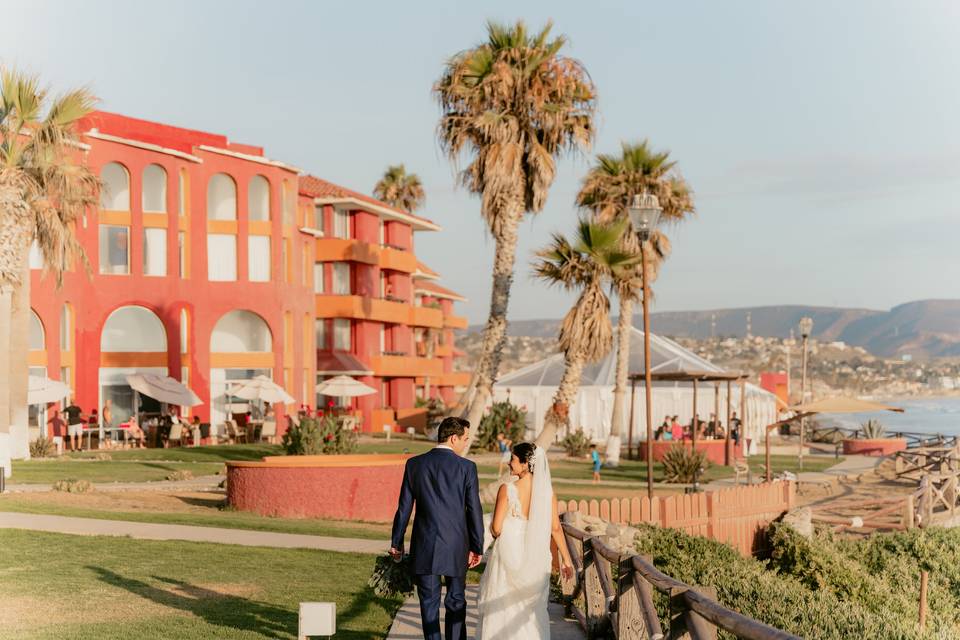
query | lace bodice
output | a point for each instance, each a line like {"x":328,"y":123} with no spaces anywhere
{"x":514,"y":508}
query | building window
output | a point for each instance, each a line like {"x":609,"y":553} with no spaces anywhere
{"x":320,"y":333}
{"x":36,"y":332}
{"x":36,"y":257}
{"x":184,"y":331}
{"x":381,"y":233}
{"x":383,"y":338}
{"x":241,"y":331}
{"x":318,"y":284}
{"x":258,"y":258}
{"x":65,"y":329}
{"x":285,"y":260}
{"x":182,"y":253}
{"x":154,"y":252}
{"x":341,"y":278}
{"x":221,"y":257}
{"x":154,"y":189}
{"x":114,"y":249}
{"x":222,"y":198}
{"x":133,"y":328}
{"x":258,"y":198}
{"x":115,"y":189}
{"x":318,"y":217}
{"x":341,"y":334}
{"x":341,"y":223}
{"x":184,"y":188}
{"x":289,"y":204}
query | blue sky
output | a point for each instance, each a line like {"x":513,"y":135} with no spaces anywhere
{"x":821,"y":137}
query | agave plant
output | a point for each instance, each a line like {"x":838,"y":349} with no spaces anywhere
{"x":872,"y":430}
{"x":682,"y":464}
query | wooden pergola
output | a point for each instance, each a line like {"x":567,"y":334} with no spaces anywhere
{"x":696,"y":377}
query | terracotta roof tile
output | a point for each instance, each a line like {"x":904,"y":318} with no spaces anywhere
{"x":315,"y":187}
{"x":431,"y":288}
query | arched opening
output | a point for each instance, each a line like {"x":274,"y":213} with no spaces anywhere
{"x":154,"y":189}
{"x":115,"y":190}
{"x":258,"y":198}
{"x":133,"y":340}
{"x":37,"y":335}
{"x":222,"y":198}
{"x":241,"y":348}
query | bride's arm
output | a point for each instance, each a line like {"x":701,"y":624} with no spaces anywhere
{"x":566,"y":564}
{"x":499,"y":512}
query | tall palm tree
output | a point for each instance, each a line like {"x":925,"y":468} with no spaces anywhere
{"x":511,"y":105}
{"x":400,"y":189}
{"x":606,"y":191}
{"x":43,"y":191}
{"x":590,"y":264}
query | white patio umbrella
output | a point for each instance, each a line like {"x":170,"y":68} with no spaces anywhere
{"x":41,"y":390}
{"x":261,"y":388}
{"x":164,"y":389}
{"x":344,"y":387}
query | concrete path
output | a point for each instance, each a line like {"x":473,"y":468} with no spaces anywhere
{"x":406,"y":626}
{"x":201,"y":483}
{"x":152,"y":531}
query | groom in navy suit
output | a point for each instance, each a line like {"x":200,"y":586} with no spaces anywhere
{"x":447,"y":530}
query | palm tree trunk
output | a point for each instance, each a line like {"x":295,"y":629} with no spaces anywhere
{"x":6,"y":305}
{"x":19,"y":362}
{"x":566,"y":393}
{"x":618,"y":420}
{"x":495,"y":333}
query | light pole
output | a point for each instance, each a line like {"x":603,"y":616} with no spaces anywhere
{"x":644,"y":213}
{"x":806,"y":327}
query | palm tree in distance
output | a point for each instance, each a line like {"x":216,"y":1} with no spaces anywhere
{"x":44,"y":190}
{"x":590,"y":264}
{"x":400,"y":189}
{"x":605,"y":192}
{"x":510,"y":106}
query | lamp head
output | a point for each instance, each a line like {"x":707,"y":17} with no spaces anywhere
{"x":806,"y":327}
{"x":644,"y":214}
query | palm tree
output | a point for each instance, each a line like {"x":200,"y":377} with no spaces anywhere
{"x":400,"y":189}
{"x":605,"y":192}
{"x":43,"y":191}
{"x":590,"y":264}
{"x":512,"y":105}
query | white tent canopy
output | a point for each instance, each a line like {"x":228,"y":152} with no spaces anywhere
{"x":163,"y":388}
{"x":535,"y":385}
{"x":42,"y":390}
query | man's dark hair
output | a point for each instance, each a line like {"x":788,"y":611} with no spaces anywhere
{"x":593,"y":446}
{"x":451,"y":426}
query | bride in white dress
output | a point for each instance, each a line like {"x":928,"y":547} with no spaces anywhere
{"x":516,"y":582}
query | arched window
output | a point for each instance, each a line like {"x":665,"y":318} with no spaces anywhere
{"x":133,"y":329}
{"x":154,"y":190}
{"x":36,"y":332}
{"x":241,"y":331}
{"x":289,"y":203}
{"x":115,"y":192}
{"x":222,"y":198}
{"x":258,"y":198}
{"x":184,"y":331}
{"x":66,"y":328}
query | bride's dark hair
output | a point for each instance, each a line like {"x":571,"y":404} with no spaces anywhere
{"x":524,"y":452}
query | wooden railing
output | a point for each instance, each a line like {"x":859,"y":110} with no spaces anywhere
{"x":617,"y":595}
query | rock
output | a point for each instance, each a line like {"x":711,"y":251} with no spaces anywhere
{"x":800,"y":520}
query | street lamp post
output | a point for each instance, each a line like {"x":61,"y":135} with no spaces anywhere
{"x":644,"y":213}
{"x":806,"y":328}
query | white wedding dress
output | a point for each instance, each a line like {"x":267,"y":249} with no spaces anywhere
{"x":516,"y":581}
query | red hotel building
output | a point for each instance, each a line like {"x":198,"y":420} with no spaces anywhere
{"x":210,"y":262}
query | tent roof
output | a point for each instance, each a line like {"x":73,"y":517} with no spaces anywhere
{"x":666,"y":356}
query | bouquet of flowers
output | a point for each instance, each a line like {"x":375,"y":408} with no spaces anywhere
{"x":391,"y":578}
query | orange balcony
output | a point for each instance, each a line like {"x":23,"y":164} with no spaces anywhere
{"x":361,"y":308}
{"x":452,"y":379}
{"x":347,"y":250}
{"x":443,"y":350}
{"x":454,"y":322}
{"x":405,"y":366}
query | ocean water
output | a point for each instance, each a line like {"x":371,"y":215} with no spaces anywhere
{"x":922,"y":415}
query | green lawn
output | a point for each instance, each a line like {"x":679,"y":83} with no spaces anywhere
{"x":49,"y":471}
{"x":55,"y":586}
{"x":219,"y":453}
{"x":215,"y":517}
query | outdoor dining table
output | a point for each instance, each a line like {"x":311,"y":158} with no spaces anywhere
{"x":89,"y":431}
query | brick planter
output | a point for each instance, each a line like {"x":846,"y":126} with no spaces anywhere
{"x":347,"y":487}
{"x":873,"y":446}
{"x":712,"y":448}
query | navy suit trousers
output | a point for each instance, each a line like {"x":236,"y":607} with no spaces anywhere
{"x":455,"y":623}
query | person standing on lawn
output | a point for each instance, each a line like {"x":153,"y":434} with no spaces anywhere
{"x":74,"y":426}
{"x":503,"y":444}
{"x":595,"y":458}
{"x":58,"y":429}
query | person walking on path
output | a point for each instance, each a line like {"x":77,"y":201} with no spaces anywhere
{"x":447,"y":530}
{"x":595,"y":458}
{"x":58,"y":429}
{"x":503,"y":444}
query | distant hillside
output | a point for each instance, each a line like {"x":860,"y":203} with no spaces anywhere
{"x":923,"y":329}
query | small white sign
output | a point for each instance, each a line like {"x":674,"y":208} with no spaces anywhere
{"x":317,"y":619}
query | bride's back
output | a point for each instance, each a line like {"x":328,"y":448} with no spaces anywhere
{"x":524,"y":488}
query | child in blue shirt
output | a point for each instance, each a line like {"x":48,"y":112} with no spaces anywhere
{"x":595,"y":458}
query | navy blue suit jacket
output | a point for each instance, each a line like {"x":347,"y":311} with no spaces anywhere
{"x":449,"y":521}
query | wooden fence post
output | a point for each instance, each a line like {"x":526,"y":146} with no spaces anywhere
{"x":923,"y":599}
{"x":909,"y":517}
{"x":595,"y":606}
{"x":686,"y":624}
{"x":629,"y":619}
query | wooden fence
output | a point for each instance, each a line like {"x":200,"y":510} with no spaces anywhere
{"x":617,"y":599}
{"x":737,"y":516}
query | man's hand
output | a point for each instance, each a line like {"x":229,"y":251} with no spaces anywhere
{"x":396,"y":554}
{"x":473,"y":560}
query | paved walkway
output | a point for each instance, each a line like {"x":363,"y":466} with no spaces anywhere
{"x":152,"y":531}
{"x":406,"y":626}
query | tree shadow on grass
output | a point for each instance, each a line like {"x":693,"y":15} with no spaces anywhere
{"x":220,"y":609}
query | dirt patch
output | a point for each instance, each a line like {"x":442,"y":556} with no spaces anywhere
{"x":195,"y":502}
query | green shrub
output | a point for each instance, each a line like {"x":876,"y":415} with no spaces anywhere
{"x":315,"y":436}
{"x":681,"y":464}
{"x":872,"y":430}
{"x":73,"y":486}
{"x":503,"y":417}
{"x":42,"y":448}
{"x":576,"y":444}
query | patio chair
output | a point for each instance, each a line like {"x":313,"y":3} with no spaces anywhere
{"x":176,"y":435}
{"x":230,"y":431}
{"x":269,"y":431}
